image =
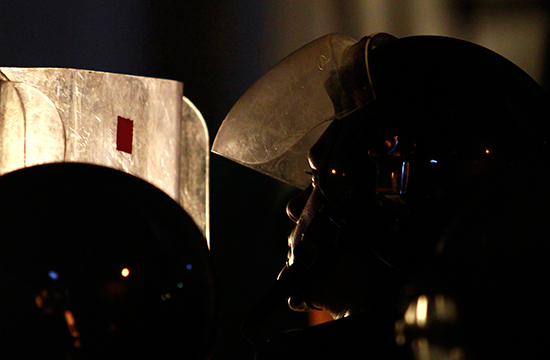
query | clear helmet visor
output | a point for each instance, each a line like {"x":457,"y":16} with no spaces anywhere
{"x":275,"y":123}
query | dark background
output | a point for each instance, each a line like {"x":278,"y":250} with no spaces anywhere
{"x":218,"y":49}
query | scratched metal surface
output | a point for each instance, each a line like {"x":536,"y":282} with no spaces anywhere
{"x":68,"y":115}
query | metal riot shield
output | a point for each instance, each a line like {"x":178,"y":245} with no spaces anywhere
{"x":138,"y":125}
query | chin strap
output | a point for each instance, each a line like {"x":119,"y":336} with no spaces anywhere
{"x":295,"y":298}
{"x":284,"y":291}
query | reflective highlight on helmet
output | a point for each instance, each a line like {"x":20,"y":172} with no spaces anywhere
{"x":98,"y":264}
{"x":429,"y":315}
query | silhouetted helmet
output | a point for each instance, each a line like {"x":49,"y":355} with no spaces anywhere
{"x":422,"y":150}
{"x":98,"y":264}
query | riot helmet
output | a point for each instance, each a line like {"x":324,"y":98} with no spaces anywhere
{"x":430,"y":142}
{"x":416,"y":126}
{"x":99,"y":264}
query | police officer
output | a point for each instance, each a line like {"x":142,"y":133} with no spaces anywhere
{"x":422,"y":229}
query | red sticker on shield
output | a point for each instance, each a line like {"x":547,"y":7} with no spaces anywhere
{"x":124,"y":134}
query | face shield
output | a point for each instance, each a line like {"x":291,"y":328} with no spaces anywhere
{"x":275,"y":123}
{"x":273,"y":126}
